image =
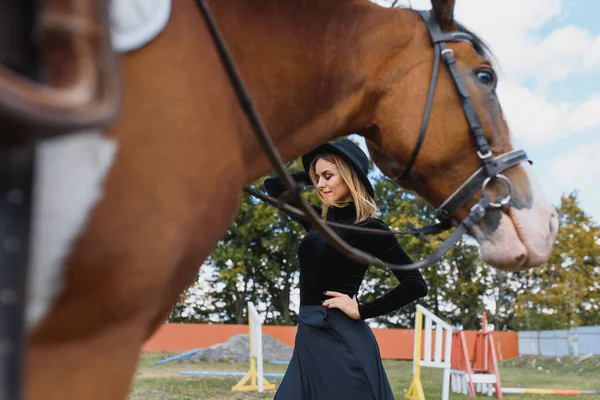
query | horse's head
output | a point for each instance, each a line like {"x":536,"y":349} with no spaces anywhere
{"x":516,"y":235}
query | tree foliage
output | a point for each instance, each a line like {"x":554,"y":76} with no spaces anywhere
{"x":256,"y":261}
{"x":565,"y":292}
{"x":457,"y":283}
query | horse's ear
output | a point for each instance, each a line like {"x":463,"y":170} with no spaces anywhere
{"x":443,"y":10}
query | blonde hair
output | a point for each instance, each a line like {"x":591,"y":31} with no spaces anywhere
{"x":363,"y":201}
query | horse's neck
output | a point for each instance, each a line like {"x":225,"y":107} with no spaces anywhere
{"x":312,"y":66}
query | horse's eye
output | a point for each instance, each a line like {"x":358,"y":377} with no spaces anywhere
{"x":486,"y":77}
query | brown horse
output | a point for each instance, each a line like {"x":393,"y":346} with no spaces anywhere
{"x":317,"y":69}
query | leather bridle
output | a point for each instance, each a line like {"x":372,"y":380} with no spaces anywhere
{"x":292,"y":202}
{"x":491,"y":166}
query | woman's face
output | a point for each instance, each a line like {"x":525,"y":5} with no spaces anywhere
{"x":330,"y":183}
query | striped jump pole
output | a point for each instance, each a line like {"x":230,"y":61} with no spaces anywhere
{"x":415,"y":391}
{"x":431,"y":333}
{"x":568,"y":392}
{"x":254,"y":380}
{"x":227,"y":373}
{"x":177,"y":357}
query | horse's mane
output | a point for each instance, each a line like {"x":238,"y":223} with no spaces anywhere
{"x":478,"y":44}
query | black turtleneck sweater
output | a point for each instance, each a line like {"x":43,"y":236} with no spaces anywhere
{"x":323,"y":268}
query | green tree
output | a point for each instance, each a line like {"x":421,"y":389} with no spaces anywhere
{"x":194,"y":305}
{"x":565,"y":292}
{"x":457,"y":283}
{"x":255,"y":261}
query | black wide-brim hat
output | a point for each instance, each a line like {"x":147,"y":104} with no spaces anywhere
{"x":350,"y":152}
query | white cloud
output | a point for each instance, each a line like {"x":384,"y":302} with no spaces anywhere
{"x":578,"y":168}
{"x":536,"y":119}
{"x":556,"y":56}
{"x":511,"y":28}
{"x":592,"y":57}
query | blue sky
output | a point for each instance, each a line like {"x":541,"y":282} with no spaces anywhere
{"x":549,"y":59}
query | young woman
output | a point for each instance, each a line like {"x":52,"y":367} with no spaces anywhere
{"x":336,"y":355}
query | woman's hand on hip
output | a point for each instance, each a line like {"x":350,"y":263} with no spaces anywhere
{"x":348,"y":305}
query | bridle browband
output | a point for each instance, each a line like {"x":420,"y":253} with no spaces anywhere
{"x":294,"y":204}
{"x":491,"y":166}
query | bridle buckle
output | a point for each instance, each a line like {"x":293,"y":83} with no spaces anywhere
{"x":488,"y":154}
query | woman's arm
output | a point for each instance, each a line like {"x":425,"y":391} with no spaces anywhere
{"x":412,"y":285}
{"x":275,"y":188}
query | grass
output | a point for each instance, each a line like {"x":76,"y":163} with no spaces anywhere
{"x":164,"y":382}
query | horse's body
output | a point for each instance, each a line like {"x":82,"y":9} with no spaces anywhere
{"x":316,"y":69}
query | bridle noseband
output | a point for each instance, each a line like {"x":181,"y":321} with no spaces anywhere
{"x":490,"y":170}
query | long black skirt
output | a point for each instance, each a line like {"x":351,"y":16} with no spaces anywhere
{"x":335,"y":357}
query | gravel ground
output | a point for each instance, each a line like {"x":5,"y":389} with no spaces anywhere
{"x":237,"y":349}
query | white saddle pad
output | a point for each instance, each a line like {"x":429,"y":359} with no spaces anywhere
{"x":70,"y":170}
{"x":136,"y":22}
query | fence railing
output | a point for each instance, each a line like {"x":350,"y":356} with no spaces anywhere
{"x":574,"y":342}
